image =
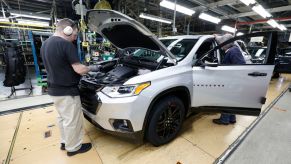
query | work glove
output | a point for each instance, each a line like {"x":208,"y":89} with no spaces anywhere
{"x":94,"y":68}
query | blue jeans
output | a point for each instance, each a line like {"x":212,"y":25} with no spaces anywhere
{"x":227,"y":118}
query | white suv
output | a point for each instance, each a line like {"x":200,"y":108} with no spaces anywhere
{"x":149,"y":90}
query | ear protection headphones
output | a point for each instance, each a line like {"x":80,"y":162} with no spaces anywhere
{"x":68,"y":30}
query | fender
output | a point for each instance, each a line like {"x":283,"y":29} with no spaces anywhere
{"x":164,"y":93}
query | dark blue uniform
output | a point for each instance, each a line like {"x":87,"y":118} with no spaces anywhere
{"x":233,"y":56}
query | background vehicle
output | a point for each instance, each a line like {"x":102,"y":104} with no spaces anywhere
{"x":151,"y":88}
{"x":258,"y":54}
{"x":283,"y":61}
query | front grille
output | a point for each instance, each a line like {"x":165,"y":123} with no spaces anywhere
{"x":89,"y":100}
{"x":85,"y":84}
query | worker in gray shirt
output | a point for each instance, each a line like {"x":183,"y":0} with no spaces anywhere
{"x":64,"y":70}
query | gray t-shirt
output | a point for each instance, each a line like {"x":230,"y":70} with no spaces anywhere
{"x":58,"y":56}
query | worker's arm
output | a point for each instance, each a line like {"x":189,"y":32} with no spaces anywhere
{"x":80,"y":68}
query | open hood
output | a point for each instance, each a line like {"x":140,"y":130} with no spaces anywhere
{"x":123,"y":31}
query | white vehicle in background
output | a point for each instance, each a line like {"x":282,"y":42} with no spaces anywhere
{"x":149,"y":90}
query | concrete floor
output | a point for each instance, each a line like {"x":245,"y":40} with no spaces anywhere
{"x":269,"y":142}
{"x":200,"y":141}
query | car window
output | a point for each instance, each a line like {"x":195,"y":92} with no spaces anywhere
{"x":242,"y":46}
{"x":266,"y":57}
{"x":206,"y":46}
{"x":145,"y":53}
{"x":182,"y":48}
{"x":167,"y":42}
{"x":257,"y":54}
{"x":286,"y":52}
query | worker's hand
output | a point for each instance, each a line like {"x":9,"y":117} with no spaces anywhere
{"x":94,"y":68}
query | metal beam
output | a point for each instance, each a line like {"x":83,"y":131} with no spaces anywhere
{"x":246,"y":14}
{"x":6,"y":4}
{"x":32,"y":5}
{"x":217,"y":4}
{"x":203,"y":3}
{"x":29,"y":7}
{"x":214,"y":7}
{"x":28,"y":13}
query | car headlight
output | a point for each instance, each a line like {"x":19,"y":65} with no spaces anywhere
{"x":125,"y":90}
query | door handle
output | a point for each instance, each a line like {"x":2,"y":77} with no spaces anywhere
{"x":257,"y":74}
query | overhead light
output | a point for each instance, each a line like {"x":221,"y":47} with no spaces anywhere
{"x":209,"y":18}
{"x":29,"y":16}
{"x":239,"y":34}
{"x":282,"y":27}
{"x":261,"y":11}
{"x":4,"y":19}
{"x":228,"y":29}
{"x":31,"y":22}
{"x":155,"y":18}
{"x":248,"y":2}
{"x":179,"y":8}
{"x":273,"y":23}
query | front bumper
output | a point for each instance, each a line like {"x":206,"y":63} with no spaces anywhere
{"x":132,"y":109}
{"x":137,"y":136}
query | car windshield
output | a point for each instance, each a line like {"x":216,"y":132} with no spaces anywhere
{"x":143,"y":54}
{"x":182,"y":48}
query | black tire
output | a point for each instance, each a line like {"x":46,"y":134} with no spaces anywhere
{"x":165,"y":121}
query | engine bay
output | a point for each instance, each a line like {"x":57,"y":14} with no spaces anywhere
{"x":119,"y":70}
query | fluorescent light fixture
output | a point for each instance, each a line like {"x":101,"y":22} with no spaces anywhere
{"x":4,"y":19}
{"x":261,"y":11}
{"x":155,"y":18}
{"x":31,"y":22}
{"x":209,"y":18}
{"x":282,"y":27}
{"x":228,"y":29}
{"x":239,"y":34}
{"x":273,"y":23}
{"x":248,"y":2}
{"x":29,"y":16}
{"x":179,"y":8}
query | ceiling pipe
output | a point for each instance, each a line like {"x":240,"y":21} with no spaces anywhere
{"x":264,"y":21}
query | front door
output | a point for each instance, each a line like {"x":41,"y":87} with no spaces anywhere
{"x":238,"y":89}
